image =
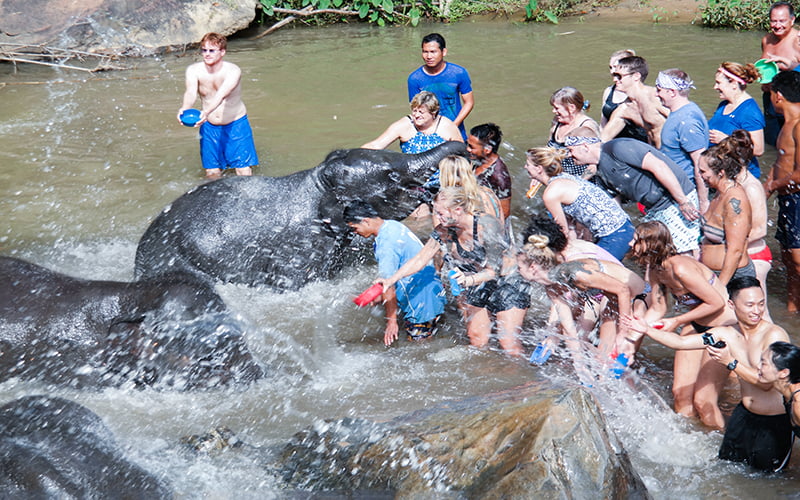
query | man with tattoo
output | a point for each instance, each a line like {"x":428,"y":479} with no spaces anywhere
{"x":784,"y":178}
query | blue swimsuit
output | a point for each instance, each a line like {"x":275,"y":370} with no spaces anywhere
{"x":422,"y":142}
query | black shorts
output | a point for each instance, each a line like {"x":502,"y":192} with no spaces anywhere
{"x":788,"y":233}
{"x":762,"y":441}
{"x":500,"y":295}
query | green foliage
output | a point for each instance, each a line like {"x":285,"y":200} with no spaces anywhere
{"x":736,"y":14}
{"x":380,"y":12}
{"x":460,"y":9}
{"x":551,"y":10}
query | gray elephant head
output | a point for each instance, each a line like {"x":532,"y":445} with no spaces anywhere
{"x":283,"y":232}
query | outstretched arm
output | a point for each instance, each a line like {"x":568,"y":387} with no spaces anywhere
{"x":391,"y":134}
{"x":413,"y":265}
{"x":664,"y":175}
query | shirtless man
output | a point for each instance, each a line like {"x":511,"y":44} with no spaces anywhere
{"x":781,"y":45}
{"x":759,"y":431}
{"x":784,"y":178}
{"x":226,"y":139}
{"x":643,"y":108}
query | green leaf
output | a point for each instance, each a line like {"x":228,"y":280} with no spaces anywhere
{"x":337,"y":3}
{"x":373,"y":16}
{"x":363,"y":10}
{"x":551,"y":17}
{"x":388,"y":6}
{"x":381,"y":22}
{"x":324,"y":4}
{"x":414,"y":14}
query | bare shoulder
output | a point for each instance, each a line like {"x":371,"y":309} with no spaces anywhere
{"x":774,"y":333}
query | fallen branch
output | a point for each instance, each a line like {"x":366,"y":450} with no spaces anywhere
{"x":304,"y":12}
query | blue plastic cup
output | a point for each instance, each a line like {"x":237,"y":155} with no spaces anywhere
{"x":619,"y":366}
{"x":455,"y":288}
{"x":540,"y":355}
{"x":190,"y":117}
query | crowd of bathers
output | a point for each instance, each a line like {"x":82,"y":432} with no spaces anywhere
{"x":676,"y":195}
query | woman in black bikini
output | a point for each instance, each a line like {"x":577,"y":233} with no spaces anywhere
{"x":476,"y":247}
{"x":701,"y":296}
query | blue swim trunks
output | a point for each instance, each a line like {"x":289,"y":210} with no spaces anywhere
{"x":228,"y":146}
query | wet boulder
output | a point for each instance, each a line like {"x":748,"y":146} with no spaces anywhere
{"x":127,"y":27}
{"x":54,"y":448}
{"x":530,"y":441}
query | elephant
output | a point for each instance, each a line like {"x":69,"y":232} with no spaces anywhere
{"x":170,"y":331}
{"x":283,"y":232}
{"x":54,"y":448}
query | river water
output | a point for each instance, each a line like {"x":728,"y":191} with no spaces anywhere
{"x":87,"y":162}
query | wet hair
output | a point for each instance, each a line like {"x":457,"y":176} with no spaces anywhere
{"x":656,"y":247}
{"x":489,"y":134}
{"x":434,"y":37}
{"x":548,"y":158}
{"x":778,"y":5}
{"x":215,"y":39}
{"x":788,"y":84}
{"x":428,"y":100}
{"x":721,"y":160}
{"x":536,"y":249}
{"x":569,"y":95}
{"x":731,"y":155}
{"x":456,"y":170}
{"x":736,"y":285}
{"x":546,"y":226}
{"x":454,"y":197}
{"x":746,"y":72}
{"x":621,"y":54}
{"x":634,"y":64}
{"x":786,"y":356}
{"x":358,"y":210}
{"x":680,"y":75}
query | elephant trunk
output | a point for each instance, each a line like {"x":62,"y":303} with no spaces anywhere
{"x":422,"y":165}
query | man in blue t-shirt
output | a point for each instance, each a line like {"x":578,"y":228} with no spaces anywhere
{"x":450,"y":82}
{"x":420,"y":296}
{"x":684,"y":135}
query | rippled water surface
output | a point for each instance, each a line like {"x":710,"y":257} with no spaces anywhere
{"x":87,"y":162}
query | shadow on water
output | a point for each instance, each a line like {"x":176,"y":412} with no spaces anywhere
{"x":87,"y":164}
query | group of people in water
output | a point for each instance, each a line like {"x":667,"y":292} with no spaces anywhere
{"x":699,"y":237}
{"x":698,"y":245}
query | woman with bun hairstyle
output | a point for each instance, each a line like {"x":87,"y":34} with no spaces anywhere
{"x":568,"y":195}
{"x":607,"y":287}
{"x":738,"y":110}
{"x":725,"y":225}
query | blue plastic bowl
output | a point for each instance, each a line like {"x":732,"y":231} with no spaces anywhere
{"x":190,"y":117}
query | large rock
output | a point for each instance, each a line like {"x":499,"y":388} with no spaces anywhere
{"x":529,"y":442}
{"x":130,"y":27}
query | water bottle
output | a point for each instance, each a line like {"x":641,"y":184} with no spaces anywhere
{"x":455,"y":288}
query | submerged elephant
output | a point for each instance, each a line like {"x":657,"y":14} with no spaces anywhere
{"x":54,"y":448}
{"x":173,"y":330}
{"x":283,"y":232}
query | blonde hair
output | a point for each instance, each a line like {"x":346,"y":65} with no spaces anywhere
{"x":537,"y":250}
{"x":454,"y":197}
{"x":427,"y":100}
{"x":456,"y":171}
{"x":548,"y":158}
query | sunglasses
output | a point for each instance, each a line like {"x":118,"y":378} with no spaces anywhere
{"x":619,"y":76}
